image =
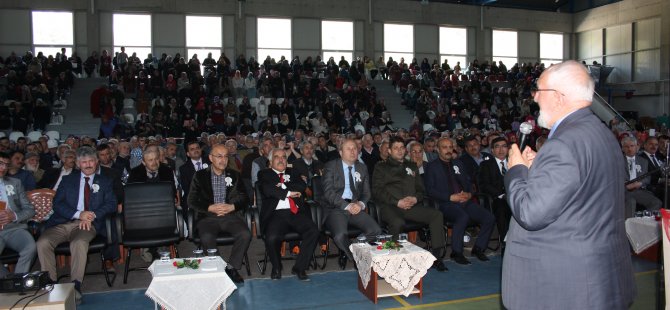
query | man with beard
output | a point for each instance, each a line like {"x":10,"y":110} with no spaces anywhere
{"x":32,"y":165}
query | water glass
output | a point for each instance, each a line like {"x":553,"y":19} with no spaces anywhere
{"x":638,"y":214}
{"x":646,"y":213}
{"x":380,"y":239}
{"x":361,"y":239}
{"x":402,"y":237}
{"x":197,"y":253}
{"x":165,"y":256}
{"x":212,"y":253}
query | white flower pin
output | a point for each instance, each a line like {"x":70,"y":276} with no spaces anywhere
{"x":486,"y":158}
{"x":95,"y":188}
{"x":204,"y":166}
{"x":287,"y":178}
{"x":229,"y":181}
{"x":409,"y":171}
{"x":357,"y":177}
{"x":638,"y":168}
{"x":456,"y":170}
{"x":10,"y":190}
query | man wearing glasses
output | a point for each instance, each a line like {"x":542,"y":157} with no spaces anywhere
{"x":491,"y":182}
{"x":567,"y":245}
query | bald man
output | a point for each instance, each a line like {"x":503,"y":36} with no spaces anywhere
{"x":566,"y":246}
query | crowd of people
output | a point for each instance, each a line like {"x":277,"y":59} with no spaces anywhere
{"x":322,"y":120}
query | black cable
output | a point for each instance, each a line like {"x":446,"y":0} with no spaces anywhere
{"x":46,"y":291}
{"x":22,"y":298}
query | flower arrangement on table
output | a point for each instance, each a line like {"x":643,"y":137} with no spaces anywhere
{"x":389,"y":245}
{"x":190,"y":263}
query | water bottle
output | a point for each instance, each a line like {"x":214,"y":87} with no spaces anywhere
{"x":466,"y":237}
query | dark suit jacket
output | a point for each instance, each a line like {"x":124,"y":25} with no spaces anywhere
{"x":653,"y":179}
{"x":186,"y":172}
{"x":120,"y":164}
{"x":117,"y":185}
{"x":201,"y":194}
{"x":437,"y":184}
{"x":268,"y":181}
{"x":491,"y":180}
{"x":333,"y":187}
{"x":50,"y":178}
{"x":568,"y":223}
{"x":301,"y":168}
{"x":470,"y":165}
{"x":370,"y":159}
{"x":139,"y":175}
{"x":103,"y":201}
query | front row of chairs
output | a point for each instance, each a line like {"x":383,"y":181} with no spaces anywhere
{"x":149,"y":219}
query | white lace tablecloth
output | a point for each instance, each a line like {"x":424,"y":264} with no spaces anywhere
{"x":204,"y":288}
{"x":402,"y":269}
{"x":643,"y":232}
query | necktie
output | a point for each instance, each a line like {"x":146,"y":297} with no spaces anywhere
{"x":631,"y":168}
{"x":502,"y":168}
{"x":654,"y":161}
{"x":87,"y":193}
{"x":294,"y":208}
{"x":153,"y":175}
{"x":238,"y":163}
{"x":199,"y":166}
{"x":352,"y":185}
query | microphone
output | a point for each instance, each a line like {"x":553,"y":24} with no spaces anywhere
{"x":525,"y":129}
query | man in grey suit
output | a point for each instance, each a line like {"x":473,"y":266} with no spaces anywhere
{"x":346,"y":187}
{"x":636,"y":192}
{"x":15,"y":210}
{"x":567,"y":246}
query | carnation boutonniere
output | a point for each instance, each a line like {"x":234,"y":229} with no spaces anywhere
{"x":229,"y":181}
{"x":638,"y":168}
{"x":287,"y":178}
{"x":409,"y":171}
{"x":486,"y":158}
{"x":205,"y":166}
{"x":357,"y":177}
{"x":95,"y":188}
{"x":456,"y":170}
{"x":10,"y":190}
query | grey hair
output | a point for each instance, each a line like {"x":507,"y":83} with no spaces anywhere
{"x":581,"y":85}
{"x":629,"y":139}
{"x":274,"y":150}
{"x":151,"y":150}
{"x":86,"y":151}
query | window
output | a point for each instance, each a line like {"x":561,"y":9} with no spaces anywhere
{"x":505,"y":47}
{"x":133,"y":31}
{"x":337,"y":40}
{"x":52,"y":31}
{"x":551,"y":48}
{"x":453,"y":46}
{"x":399,"y":42}
{"x":203,"y":36}
{"x":274,"y":38}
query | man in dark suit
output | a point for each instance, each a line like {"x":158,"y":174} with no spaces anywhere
{"x":492,"y":183}
{"x":105,"y":167}
{"x":398,"y":191}
{"x":567,"y":245}
{"x":53,"y":176}
{"x":639,"y":192}
{"x":17,"y":210}
{"x":369,"y":153}
{"x":195,"y":163}
{"x":307,"y":166}
{"x":450,"y":187}
{"x":284,"y":210}
{"x":80,"y":206}
{"x":216,"y":193}
{"x":649,"y":153}
{"x":473,"y":157}
{"x":346,"y":187}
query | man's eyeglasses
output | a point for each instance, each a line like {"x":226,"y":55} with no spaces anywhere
{"x":534,"y":90}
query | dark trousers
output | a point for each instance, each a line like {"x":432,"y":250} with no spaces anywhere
{"x":503,"y":215}
{"x":339,"y":222}
{"x":395,"y":218}
{"x":283,"y":222}
{"x":460,"y":215}
{"x":210,"y":227}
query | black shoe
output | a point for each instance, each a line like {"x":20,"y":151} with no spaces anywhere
{"x":460,"y":259}
{"x":479,"y":254}
{"x":302,"y":276}
{"x":342,"y":261}
{"x":439,"y":266}
{"x":276,"y":274}
{"x":234,"y":275}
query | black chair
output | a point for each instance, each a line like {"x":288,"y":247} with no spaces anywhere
{"x":222,"y":239}
{"x":291,"y":236}
{"x":150,"y":219}
{"x":317,"y":189}
{"x":8,"y":257}
{"x":98,"y":244}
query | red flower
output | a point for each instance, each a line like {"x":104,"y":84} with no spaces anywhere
{"x":174,"y":263}
{"x":379,"y":247}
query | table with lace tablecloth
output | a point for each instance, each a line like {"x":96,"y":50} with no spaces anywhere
{"x":402,"y":270}
{"x":643,"y":232}
{"x":185,"y":288}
